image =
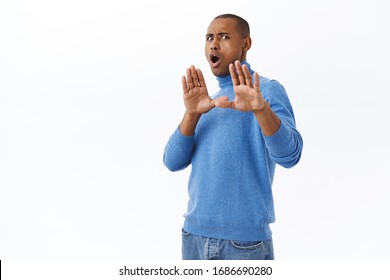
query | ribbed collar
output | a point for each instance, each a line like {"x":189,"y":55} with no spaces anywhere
{"x":226,"y":81}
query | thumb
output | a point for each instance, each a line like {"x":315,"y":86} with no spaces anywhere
{"x":223,"y":102}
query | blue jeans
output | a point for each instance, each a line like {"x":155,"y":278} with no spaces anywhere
{"x":196,"y":247}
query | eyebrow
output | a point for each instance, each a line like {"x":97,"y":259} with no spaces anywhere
{"x":218,"y":34}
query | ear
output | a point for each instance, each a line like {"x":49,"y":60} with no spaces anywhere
{"x":247,"y":44}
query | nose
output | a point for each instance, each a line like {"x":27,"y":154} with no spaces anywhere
{"x":214,"y":44}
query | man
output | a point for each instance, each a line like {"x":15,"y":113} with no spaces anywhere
{"x":233,"y":140}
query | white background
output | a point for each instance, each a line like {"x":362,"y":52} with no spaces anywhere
{"x":90,"y":92}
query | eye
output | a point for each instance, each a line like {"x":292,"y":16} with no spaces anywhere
{"x":225,"y":37}
{"x":209,"y":38}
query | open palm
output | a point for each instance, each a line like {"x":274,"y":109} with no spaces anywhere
{"x":195,"y":94}
{"x":247,"y":94}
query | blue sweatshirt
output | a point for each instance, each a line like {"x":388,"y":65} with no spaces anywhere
{"x":233,"y":166}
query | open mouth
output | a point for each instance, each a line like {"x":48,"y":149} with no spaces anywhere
{"x":214,"y":59}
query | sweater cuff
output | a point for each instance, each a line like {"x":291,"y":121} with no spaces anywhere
{"x":183,"y":141}
{"x":280,"y":142}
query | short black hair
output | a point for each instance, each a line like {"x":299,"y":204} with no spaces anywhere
{"x":242,"y":24}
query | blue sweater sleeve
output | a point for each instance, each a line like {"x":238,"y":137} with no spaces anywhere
{"x":285,"y":146}
{"x":178,"y":151}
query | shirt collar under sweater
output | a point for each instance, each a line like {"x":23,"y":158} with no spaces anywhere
{"x":226,"y":81}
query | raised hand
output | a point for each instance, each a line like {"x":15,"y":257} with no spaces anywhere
{"x":248,"y":96}
{"x":195,"y":95}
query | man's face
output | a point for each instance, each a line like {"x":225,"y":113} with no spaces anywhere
{"x":224,"y":45}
